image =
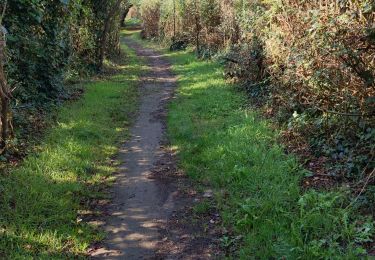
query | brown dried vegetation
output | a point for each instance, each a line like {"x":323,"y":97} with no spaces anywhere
{"x":309,"y":64}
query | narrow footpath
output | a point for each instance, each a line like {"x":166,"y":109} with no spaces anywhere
{"x":151,"y":215}
{"x":140,"y":203}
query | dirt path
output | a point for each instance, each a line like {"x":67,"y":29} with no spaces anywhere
{"x":148,"y":216}
{"x":139,"y":202}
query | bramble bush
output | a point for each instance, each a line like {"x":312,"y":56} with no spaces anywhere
{"x":309,"y":64}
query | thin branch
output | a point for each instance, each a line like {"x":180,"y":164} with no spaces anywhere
{"x":363,"y":188}
{"x":336,"y":112}
{"x":348,"y":114}
{"x":3,"y":12}
{"x":231,"y":60}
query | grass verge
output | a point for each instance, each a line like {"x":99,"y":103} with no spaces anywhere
{"x":226,"y":145}
{"x":40,"y":201}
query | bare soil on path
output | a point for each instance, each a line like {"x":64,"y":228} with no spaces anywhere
{"x":151,"y":213}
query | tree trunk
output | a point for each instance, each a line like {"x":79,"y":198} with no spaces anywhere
{"x":174,"y":20}
{"x":4,"y":121}
{"x":4,"y":98}
{"x":5,"y":93}
{"x":124,"y":14}
{"x":106,"y":29}
{"x":197,"y":26}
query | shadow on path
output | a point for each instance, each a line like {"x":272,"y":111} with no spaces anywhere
{"x":140,"y":203}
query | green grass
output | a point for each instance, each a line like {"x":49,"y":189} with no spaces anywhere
{"x":202,"y":207}
{"x":131,"y":22}
{"x":226,"y":144}
{"x":40,"y":200}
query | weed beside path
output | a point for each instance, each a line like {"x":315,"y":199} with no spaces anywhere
{"x":41,"y":202}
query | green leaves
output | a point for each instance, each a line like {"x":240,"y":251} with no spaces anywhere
{"x":50,"y":40}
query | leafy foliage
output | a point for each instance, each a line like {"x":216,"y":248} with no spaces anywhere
{"x":43,"y":202}
{"x":310,"y":65}
{"x":257,"y":186}
{"x":49,"y":42}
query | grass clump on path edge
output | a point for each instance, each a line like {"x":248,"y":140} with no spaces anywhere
{"x":228,"y":146}
{"x":40,"y":200}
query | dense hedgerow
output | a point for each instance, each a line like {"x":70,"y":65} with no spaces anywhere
{"x":265,"y":212}
{"x":47,"y":43}
{"x":310,"y":64}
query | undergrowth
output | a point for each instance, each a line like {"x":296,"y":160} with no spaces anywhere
{"x":40,"y":201}
{"x":223,"y":142}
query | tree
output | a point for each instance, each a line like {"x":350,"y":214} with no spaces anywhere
{"x":49,"y":42}
{"x":124,"y":13}
{"x":5,"y":93}
{"x":115,"y":7}
{"x":197,"y":25}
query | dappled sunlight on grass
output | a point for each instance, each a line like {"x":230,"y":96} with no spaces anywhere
{"x":222,"y":142}
{"x":39,"y":200}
